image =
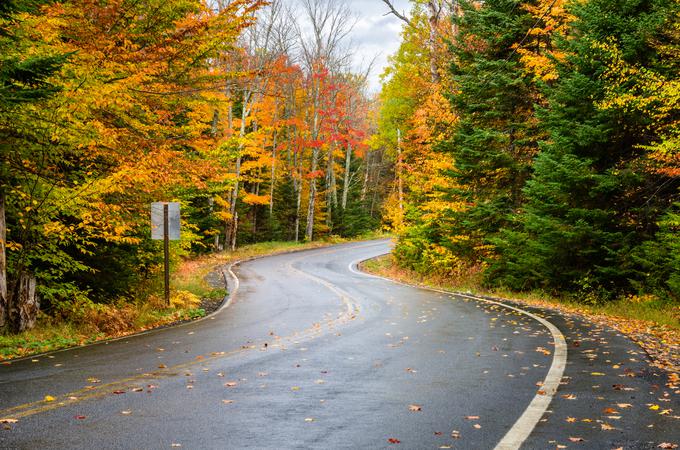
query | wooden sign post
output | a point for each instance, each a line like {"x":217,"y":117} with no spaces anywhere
{"x":165,"y":225}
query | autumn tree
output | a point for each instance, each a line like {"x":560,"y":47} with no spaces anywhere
{"x":594,"y":221}
{"x":124,"y":129}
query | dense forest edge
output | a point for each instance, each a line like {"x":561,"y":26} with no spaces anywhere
{"x":524,"y":147}
{"x":257,"y":128}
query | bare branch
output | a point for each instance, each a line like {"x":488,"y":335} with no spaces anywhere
{"x":397,"y":13}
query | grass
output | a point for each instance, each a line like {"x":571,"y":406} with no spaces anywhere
{"x":189,"y":285}
{"x":654,"y":325}
{"x":654,"y":312}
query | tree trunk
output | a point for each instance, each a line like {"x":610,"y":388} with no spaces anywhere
{"x":297,"y":187}
{"x":3,"y":261}
{"x":234,"y":227}
{"x":23,"y":305}
{"x":345,"y":183}
{"x":309,"y":230}
{"x":237,"y":172}
{"x":400,"y":174}
{"x":364,"y":187}
{"x":330,"y":187}
{"x":432,"y":40}
{"x":273,"y":176}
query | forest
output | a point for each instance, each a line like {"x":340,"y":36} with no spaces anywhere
{"x":533,"y":145}
{"x":247,"y":115}
{"x":537,"y":146}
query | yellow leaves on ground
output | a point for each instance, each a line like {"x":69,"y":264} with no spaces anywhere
{"x":49,"y":398}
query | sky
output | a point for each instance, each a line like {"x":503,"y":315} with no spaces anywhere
{"x":375,"y":35}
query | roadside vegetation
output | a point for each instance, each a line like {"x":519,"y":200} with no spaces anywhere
{"x":527,"y":148}
{"x":230,"y":108}
{"x":538,"y":153}
{"x":653,"y":324}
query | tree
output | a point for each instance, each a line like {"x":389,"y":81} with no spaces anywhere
{"x":592,"y":202}
{"x":125,"y":128}
{"x":24,"y":78}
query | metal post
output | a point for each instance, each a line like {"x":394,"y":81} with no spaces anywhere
{"x":166,"y":250}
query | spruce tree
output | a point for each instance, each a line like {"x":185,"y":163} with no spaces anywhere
{"x":590,"y":202}
{"x":495,"y":137}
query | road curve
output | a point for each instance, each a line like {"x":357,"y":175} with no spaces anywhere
{"x":312,"y":354}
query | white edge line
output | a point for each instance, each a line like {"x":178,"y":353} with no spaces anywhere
{"x":526,"y":423}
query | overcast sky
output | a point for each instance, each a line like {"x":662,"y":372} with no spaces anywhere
{"x":375,"y":35}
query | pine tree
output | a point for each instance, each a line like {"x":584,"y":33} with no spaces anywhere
{"x":496,"y":134}
{"x":591,"y":202}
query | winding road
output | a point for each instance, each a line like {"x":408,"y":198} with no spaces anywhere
{"x":311,"y":353}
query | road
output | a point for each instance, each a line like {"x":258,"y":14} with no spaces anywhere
{"x":312,"y":354}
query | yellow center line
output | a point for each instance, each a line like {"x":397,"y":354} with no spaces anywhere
{"x":99,"y":391}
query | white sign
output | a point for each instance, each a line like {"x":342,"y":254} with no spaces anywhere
{"x":157,"y":217}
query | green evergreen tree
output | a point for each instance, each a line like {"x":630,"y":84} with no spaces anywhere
{"x":496,"y":136}
{"x":590,"y":201}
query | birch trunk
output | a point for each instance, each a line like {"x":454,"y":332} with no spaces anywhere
{"x":345,"y":183}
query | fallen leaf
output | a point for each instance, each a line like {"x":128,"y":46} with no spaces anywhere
{"x":126,"y":413}
{"x":8,"y":420}
{"x":654,"y":407}
{"x":295,"y":388}
{"x":162,"y":366}
{"x":80,"y":417}
{"x":667,"y":445}
{"x":576,"y":439}
{"x":610,"y":411}
{"x":49,"y":398}
{"x":119,"y":392}
{"x":230,"y":384}
{"x":624,"y":405}
{"x":415,"y":408}
{"x":477,"y":426}
{"x":597,"y":374}
{"x":569,"y":396}
{"x":226,"y":402}
{"x":394,"y":441}
{"x":455,"y":434}
{"x":472,"y":417}
{"x":607,"y":427}
{"x":175,"y":444}
{"x":571,"y":419}
{"x":309,"y":419}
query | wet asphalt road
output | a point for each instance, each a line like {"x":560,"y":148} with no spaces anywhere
{"x":313,"y":355}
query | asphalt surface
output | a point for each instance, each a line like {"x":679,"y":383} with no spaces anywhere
{"x":311,"y":354}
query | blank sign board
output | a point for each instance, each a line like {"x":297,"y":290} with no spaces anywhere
{"x":157,"y":220}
